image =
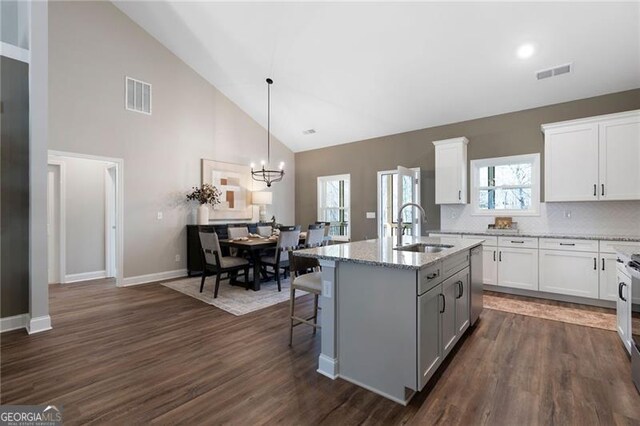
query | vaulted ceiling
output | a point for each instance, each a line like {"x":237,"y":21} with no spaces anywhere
{"x":354,"y":71}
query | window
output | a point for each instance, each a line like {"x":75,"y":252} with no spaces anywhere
{"x":137,"y":96}
{"x":334,"y":205}
{"x":506,"y":185}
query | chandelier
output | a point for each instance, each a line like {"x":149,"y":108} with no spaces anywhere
{"x":265,"y":174}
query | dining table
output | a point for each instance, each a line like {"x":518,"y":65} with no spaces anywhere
{"x":255,"y":246}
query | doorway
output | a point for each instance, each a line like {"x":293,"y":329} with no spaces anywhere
{"x":396,"y":187}
{"x":84,"y":215}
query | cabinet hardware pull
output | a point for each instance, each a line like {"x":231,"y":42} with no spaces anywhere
{"x":603,"y":189}
{"x":444,"y":303}
{"x":500,"y":257}
{"x":517,"y":242}
{"x":460,"y":195}
{"x":595,"y":264}
{"x":567,"y":244}
{"x":432,"y":276}
{"x":620,"y":291}
{"x":494,"y":255}
{"x":619,"y":260}
{"x":595,"y":190}
{"x":460,"y":289}
{"x":603,"y":263}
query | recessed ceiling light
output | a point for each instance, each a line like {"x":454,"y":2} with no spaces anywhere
{"x":526,"y":51}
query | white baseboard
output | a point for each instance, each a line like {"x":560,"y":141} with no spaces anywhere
{"x":14,"y":323}
{"x":150,"y":278}
{"x":328,"y":366}
{"x":84,"y":276}
{"x":39,"y":324}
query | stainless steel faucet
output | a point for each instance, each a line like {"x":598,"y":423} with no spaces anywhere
{"x":423,"y":216}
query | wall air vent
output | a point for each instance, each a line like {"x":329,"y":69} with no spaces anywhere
{"x":552,"y":72}
{"x":309,"y":132}
{"x":137,"y":96}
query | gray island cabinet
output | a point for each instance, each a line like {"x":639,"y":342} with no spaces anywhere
{"x":390,"y":317}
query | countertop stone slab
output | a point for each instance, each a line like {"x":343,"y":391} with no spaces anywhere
{"x":568,"y":236}
{"x":380,"y":252}
{"x":625,"y":252}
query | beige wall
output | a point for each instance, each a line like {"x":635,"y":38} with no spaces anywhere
{"x":501,"y":135}
{"x":93,"y":46}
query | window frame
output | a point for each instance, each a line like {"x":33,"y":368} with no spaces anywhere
{"x":347,"y":203}
{"x":476,"y":165}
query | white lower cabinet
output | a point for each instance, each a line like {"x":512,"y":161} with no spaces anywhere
{"x":569,"y":272}
{"x":608,"y":277}
{"x":623,"y":308}
{"x":518,"y":268}
{"x":490,"y":265}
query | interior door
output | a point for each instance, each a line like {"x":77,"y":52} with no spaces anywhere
{"x":406,"y":188}
{"x":111,"y":215}
{"x":53,"y":222}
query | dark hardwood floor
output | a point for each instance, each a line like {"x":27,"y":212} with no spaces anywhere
{"x":149,"y":354}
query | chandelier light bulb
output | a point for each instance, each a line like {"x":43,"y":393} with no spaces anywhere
{"x":253,"y":165}
{"x":282,"y":165}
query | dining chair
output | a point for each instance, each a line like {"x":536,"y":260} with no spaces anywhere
{"x":236,"y":231}
{"x":289,"y":239}
{"x":303,"y":280}
{"x":315,"y":236}
{"x":216,"y":264}
{"x":327,"y":228}
{"x":265,"y":230}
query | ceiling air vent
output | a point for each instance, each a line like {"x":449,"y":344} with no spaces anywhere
{"x":309,"y":132}
{"x":552,"y":72}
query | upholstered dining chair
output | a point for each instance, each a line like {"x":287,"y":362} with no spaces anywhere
{"x":327,"y":228}
{"x":236,"y":231}
{"x":302,"y":279}
{"x":289,"y":239}
{"x":265,"y":230}
{"x":216,"y":264}
{"x":315,"y":236}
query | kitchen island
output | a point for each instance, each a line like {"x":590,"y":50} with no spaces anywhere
{"x":391,"y":316}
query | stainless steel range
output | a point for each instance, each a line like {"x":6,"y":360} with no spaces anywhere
{"x":634,"y":269}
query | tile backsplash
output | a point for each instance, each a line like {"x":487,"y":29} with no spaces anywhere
{"x":606,"y":218}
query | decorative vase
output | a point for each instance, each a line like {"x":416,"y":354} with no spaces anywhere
{"x":203,"y":214}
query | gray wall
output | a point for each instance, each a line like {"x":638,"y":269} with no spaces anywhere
{"x":92,"y":47}
{"x":501,"y":135}
{"x":85,"y":215}
{"x":14,"y":188}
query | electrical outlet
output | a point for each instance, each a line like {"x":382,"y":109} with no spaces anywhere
{"x":177,"y":258}
{"x":326,"y":289}
{"x":160,"y":216}
{"x":567,"y":214}
{"x":371,"y":215}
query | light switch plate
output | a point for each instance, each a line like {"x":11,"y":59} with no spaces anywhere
{"x":160,"y":216}
{"x":371,"y":215}
{"x":326,"y":289}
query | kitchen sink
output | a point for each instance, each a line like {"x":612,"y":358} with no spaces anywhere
{"x":424,"y":248}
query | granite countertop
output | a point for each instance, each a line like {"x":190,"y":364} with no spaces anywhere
{"x":630,"y":238}
{"x":380,"y":252}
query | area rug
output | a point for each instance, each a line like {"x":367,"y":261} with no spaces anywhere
{"x":588,"y":318}
{"x":234,"y":299}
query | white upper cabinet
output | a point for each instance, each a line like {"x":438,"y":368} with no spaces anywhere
{"x":593,"y":159}
{"x":619,"y":159}
{"x":451,"y":171}
{"x":571,"y":163}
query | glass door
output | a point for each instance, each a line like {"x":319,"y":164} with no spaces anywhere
{"x":396,"y":187}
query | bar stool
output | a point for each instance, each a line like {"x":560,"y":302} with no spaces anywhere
{"x":310,"y":282}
